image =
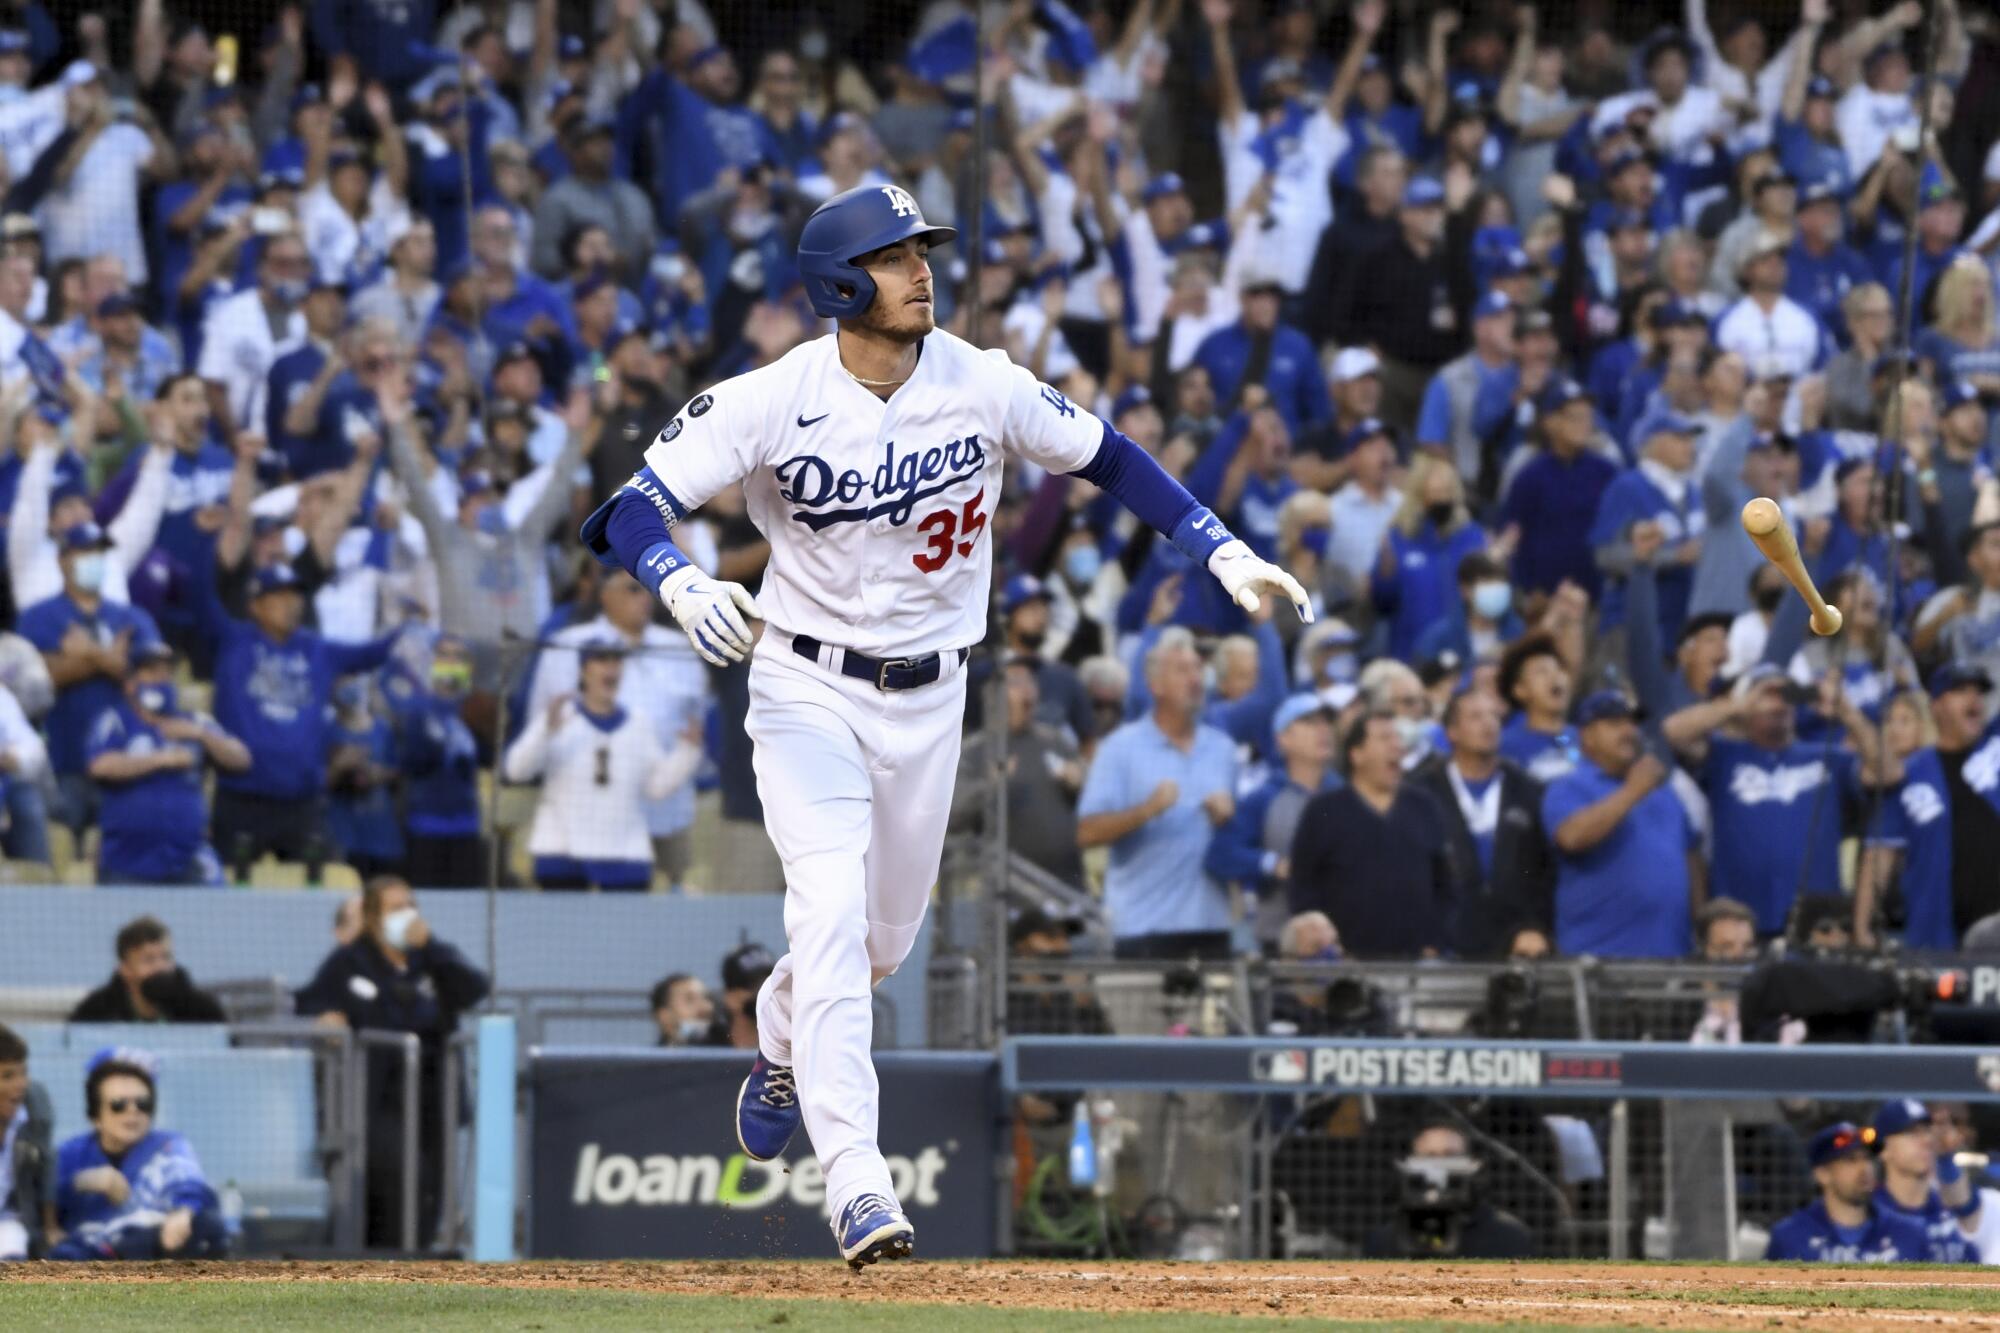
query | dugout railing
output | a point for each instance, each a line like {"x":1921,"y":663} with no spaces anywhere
{"x":1601,"y":1149}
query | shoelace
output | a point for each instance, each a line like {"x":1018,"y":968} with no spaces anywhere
{"x":867,"y":1203}
{"x":779,"y":1090}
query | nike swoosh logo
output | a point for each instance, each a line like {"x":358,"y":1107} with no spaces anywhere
{"x":804,"y":422}
{"x":1200,"y":519}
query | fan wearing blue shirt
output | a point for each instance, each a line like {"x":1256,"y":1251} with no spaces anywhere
{"x":1652,"y":514}
{"x":147,"y":757}
{"x":299,"y":381}
{"x":1629,"y":876}
{"x":1158,"y":788}
{"x":1534,"y":682}
{"x":273,"y":684}
{"x":1916,"y":830}
{"x":1844,"y":1225}
{"x":1776,"y":804}
{"x":1924,"y":1186}
{"x":1254,"y":849}
{"x":1554,"y":498}
{"x":1415,"y":579}
{"x":1258,"y":349}
{"x":125,"y":1190}
{"x":1821,"y":268}
{"x":1807,"y":140}
{"x":86,"y":643}
{"x":439,"y":757}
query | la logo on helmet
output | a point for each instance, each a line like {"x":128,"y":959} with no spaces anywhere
{"x":899,"y":199}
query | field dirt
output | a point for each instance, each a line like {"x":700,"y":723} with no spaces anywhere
{"x":1627,"y":1295}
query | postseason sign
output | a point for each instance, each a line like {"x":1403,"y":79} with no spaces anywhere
{"x":1380,"y":1068}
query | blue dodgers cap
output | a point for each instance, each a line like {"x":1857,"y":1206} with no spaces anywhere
{"x":1959,"y":676}
{"x":1670,"y":423}
{"x":1842,"y":1138}
{"x":1020,"y":589}
{"x":1821,"y":86}
{"x":13,"y":42}
{"x":1162,"y":185}
{"x":1493,"y":303}
{"x":1900,"y":1115}
{"x":85,"y":536}
{"x":118,"y":303}
{"x":1627,"y":219}
{"x":1560,"y":394}
{"x":1825,"y":190}
{"x":475,"y":482}
{"x":273,"y":578}
{"x":1511,"y":263}
{"x":573,"y":47}
{"x":601,"y":646}
{"x":1605,"y":706}
{"x":1423,"y":192}
{"x":1137,"y":395}
{"x":1623,"y":158}
{"x":1676,"y":313}
{"x":1366,"y":429}
{"x":1957,"y":394}
{"x":1296,"y":708}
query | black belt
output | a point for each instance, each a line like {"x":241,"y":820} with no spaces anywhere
{"x":884,"y":673}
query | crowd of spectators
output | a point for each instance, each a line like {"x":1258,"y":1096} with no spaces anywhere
{"x":318,"y":333}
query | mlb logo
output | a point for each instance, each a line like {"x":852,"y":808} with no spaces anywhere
{"x":1285,"y":1066}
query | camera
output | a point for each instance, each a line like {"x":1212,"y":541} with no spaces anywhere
{"x":1436,"y":1200}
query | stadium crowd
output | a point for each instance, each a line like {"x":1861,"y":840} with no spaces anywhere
{"x":319,"y":334}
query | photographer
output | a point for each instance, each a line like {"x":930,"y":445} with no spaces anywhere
{"x":1846,"y":1225}
{"x":1440,"y":1213}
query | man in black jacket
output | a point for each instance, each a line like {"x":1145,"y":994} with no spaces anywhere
{"x":148,"y":987}
{"x":1502,"y":872}
{"x":397,"y":977}
{"x":27,"y":1205}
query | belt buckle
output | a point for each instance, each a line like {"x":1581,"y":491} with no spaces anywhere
{"x":882,"y":669}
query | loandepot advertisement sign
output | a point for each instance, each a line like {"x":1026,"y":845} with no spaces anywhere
{"x":636,"y":1158}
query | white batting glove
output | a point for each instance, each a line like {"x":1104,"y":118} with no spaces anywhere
{"x":1241,"y":574}
{"x":711,"y":611}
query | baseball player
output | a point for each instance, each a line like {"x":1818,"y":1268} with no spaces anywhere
{"x":871,"y":461}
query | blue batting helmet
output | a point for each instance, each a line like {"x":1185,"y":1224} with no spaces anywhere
{"x":850,"y":225}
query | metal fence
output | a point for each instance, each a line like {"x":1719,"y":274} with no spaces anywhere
{"x":1248,"y":1147}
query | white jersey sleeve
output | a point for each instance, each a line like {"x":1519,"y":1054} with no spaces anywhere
{"x":712,"y":443}
{"x":1043,"y":426}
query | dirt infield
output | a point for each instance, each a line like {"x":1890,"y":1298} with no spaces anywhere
{"x":1628,"y":1295}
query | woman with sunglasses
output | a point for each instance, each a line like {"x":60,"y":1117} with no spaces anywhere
{"x":125,"y":1190}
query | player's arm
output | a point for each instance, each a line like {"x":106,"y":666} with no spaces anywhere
{"x":1048,"y":429}
{"x":1122,"y":468}
{"x":698,"y":454}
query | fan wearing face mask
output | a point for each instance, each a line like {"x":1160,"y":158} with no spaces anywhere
{"x":1483,"y":623}
{"x":148,"y":757}
{"x":87,"y":643}
{"x":397,"y":976}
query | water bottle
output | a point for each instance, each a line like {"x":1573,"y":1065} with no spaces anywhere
{"x":1082,"y":1148}
{"x":232,"y":1212}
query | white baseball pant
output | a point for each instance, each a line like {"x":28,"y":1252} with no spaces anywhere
{"x":856,"y":784}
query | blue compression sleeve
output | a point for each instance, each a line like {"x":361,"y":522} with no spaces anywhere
{"x":1122,"y":469}
{"x":629,"y":530}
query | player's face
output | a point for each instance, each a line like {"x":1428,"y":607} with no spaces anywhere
{"x":902,"y":309}
{"x":1910,"y":1152}
{"x":1850,"y":1180}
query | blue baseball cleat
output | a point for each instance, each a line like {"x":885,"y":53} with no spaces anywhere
{"x":872,"y":1227}
{"x":767,"y":1111}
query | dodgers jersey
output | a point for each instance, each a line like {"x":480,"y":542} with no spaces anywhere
{"x":876,"y":510}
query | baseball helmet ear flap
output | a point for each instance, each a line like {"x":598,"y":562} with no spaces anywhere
{"x":851,"y":224}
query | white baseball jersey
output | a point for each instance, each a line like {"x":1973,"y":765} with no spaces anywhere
{"x":876,"y":511}
{"x":596,"y":781}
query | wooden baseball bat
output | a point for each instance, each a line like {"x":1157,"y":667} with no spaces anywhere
{"x":1766,"y":524}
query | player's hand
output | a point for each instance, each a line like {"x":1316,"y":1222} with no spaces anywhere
{"x":711,"y":612}
{"x":1242,"y":573}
